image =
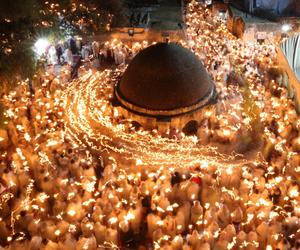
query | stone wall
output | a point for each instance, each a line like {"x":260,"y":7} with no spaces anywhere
{"x":176,"y":122}
{"x":236,"y":25}
{"x":292,"y":83}
{"x":149,"y":35}
{"x":270,"y":7}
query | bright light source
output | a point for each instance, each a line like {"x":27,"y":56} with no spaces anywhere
{"x":286,"y":27}
{"x":222,"y":14}
{"x":40,"y":46}
{"x":208,"y":2}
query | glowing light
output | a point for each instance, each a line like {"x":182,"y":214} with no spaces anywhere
{"x":113,"y":220}
{"x":71,"y":212}
{"x":286,"y":27}
{"x":129,"y":216}
{"x":89,"y":122}
{"x":294,"y":193}
{"x":57,"y":232}
{"x":40,"y":46}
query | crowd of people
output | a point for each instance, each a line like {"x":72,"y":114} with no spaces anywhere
{"x":91,"y":55}
{"x":56,"y":193}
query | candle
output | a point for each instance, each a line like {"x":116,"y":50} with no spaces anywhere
{"x":51,"y":245}
{"x":157,"y":234}
{"x":13,"y":134}
{"x":181,"y":219}
{"x":47,"y":185}
{"x":169,"y":226}
{"x":152,"y":223}
{"x":186,"y":247}
{"x":97,"y":213}
{"x":204,"y":246}
{"x":203,"y":133}
{"x":296,"y":144}
{"x":100,"y":232}
{"x":193,"y":191}
{"x":210,"y":215}
{"x":241,"y":237}
{"x":33,"y":227}
{"x":86,"y":243}
{"x":4,"y":141}
{"x":260,"y":185}
{"x":69,"y":243}
{"x":75,"y":211}
{"x":111,"y":236}
{"x":87,"y":227}
{"x":24,"y":179}
{"x":209,"y":194}
{"x":235,"y":178}
{"x":177,"y":242}
{"x":237,"y":215}
{"x":35,"y":243}
{"x":124,"y":226}
{"x":163,"y":203}
{"x":196,"y":213}
{"x":62,"y":228}
{"x":4,"y":233}
{"x":228,"y":233}
{"x":193,"y":239}
{"x":50,"y":231}
{"x":221,"y":244}
{"x":135,"y":217}
{"x":263,"y":231}
{"x":224,"y":216}
{"x":252,"y":240}
{"x":212,"y":232}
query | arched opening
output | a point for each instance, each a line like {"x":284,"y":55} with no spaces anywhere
{"x":135,"y":125}
{"x":190,"y":128}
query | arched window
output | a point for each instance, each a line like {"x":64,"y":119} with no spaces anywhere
{"x":191,"y":128}
{"x":136,"y":125}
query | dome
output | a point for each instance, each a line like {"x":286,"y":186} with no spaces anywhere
{"x":165,"y":79}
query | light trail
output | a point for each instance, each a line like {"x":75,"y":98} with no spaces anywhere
{"x":90,"y":119}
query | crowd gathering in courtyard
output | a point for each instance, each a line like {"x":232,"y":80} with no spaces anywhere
{"x":92,"y":55}
{"x":56,"y":193}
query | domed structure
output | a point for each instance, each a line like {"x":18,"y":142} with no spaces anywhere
{"x":165,"y":81}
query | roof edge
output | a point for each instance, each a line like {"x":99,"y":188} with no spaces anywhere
{"x":206,"y":100}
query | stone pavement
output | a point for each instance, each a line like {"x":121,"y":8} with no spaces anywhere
{"x":164,"y":20}
{"x":167,"y":16}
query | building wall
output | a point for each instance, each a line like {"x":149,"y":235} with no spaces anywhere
{"x":279,"y":7}
{"x":297,"y":8}
{"x":293,"y":84}
{"x":177,"y":122}
{"x":236,"y":25}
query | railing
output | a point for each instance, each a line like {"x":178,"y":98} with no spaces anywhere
{"x":289,"y":60}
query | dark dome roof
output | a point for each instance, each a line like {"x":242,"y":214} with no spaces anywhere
{"x":165,"y":77}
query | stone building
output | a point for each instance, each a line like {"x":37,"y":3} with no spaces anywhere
{"x":272,"y":8}
{"x":165,"y":86}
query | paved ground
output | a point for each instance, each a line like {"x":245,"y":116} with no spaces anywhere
{"x":167,"y":16}
{"x":248,"y":18}
{"x":163,"y":18}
